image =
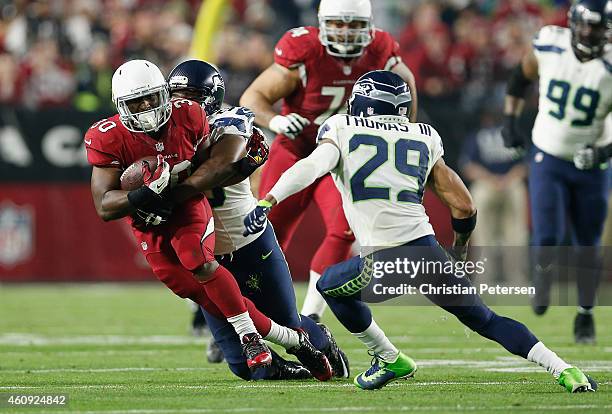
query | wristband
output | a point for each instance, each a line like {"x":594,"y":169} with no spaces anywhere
{"x":464,"y":225}
{"x":244,"y":167}
{"x":264,"y":203}
{"x":141,"y":196}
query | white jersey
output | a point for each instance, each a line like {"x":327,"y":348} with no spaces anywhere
{"x":575,"y":97}
{"x":381,"y":175}
{"x":231,"y":204}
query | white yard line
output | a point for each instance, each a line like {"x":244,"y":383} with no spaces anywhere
{"x":412,"y":408}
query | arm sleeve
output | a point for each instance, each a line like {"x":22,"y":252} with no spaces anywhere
{"x":322,"y":160}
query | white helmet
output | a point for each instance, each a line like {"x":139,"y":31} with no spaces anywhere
{"x":135,"y":79}
{"x":346,"y":11}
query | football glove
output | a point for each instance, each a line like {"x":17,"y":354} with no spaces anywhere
{"x":257,"y":154}
{"x":157,"y":180}
{"x":255,"y":221}
{"x":511,"y":133}
{"x":154,"y":213}
{"x":290,"y":125}
{"x":586,"y":157}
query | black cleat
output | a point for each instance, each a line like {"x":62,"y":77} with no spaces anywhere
{"x":286,"y":370}
{"x":541,"y":282}
{"x":316,"y":318}
{"x":214,"y":354}
{"x":313,"y":359}
{"x":338,"y":359}
{"x":584,"y":329}
{"x":199,"y":327}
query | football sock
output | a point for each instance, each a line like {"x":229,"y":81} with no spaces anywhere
{"x":546,"y":358}
{"x":315,"y":333}
{"x":243,"y":324}
{"x":261,"y":321}
{"x":313,"y":302}
{"x":285,"y":337}
{"x":585,"y":310}
{"x":224,"y":292}
{"x":375,"y":339}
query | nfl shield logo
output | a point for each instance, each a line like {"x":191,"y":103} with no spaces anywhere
{"x":16,"y":234}
{"x":159,"y":146}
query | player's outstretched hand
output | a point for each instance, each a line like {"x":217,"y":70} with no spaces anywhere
{"x":290,"y":125}
{"x":585,"y":158}
{"x":157,"y":180}
{"x":511,"y":133}
{"x":255,"y":221}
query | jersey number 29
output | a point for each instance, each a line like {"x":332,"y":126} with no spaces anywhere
{"x":402,"y":148}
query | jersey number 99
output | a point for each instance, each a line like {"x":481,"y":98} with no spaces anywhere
{"x":585,"y":100}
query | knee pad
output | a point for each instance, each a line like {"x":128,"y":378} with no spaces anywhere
{"x":347,"y":278}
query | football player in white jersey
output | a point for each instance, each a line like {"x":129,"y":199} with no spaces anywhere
{"x":257,"y":261}
{"x":574,"y":67}
{"x":380,"y":163}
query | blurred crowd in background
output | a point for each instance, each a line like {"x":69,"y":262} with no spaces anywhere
{"x":63,"y":52}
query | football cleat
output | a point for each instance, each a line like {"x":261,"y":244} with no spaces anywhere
{"x":214,"y":354}
{"x":584,"y":329}
{"x":573,"y":380}
{"x":257,"y":352}
{"x":198,"y":324}
{"x":381,"y":373}
{"x":313,"y":359}
{"x":338,"y":359}
{"x":281,"y":369}
{"x":541,"y":282}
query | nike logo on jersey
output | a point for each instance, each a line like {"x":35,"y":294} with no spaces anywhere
{"x":87,"y":142}
{"x":265,"y":256}
{"x":278,"y":51}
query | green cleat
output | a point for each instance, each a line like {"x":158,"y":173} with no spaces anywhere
{"x":573,"y":380}
{"x":381,"y":373}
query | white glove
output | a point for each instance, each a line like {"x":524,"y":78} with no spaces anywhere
{"x":157,"y":180}
{"x":290,"y":125}
{"x":584,"y":158}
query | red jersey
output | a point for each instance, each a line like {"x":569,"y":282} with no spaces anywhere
{"x":110,"y":144}
{"x":327,"y":81}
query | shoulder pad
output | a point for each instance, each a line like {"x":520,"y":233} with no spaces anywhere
{"x":296,"y":46}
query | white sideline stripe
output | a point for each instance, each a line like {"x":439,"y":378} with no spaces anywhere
{"x":87,"y":370}
{"x":339,"y":408}
{"x":28,"y":339}
{"x":21,"y":339}
{"x":412,"y":383}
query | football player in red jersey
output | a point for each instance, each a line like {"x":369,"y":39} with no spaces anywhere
{"x":179,"y":245}
{"x":313,"y":72}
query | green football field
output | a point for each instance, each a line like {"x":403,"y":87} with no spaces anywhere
{"x":126,"y":349}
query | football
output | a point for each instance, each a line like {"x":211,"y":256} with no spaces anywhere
{"x":132,"y":178}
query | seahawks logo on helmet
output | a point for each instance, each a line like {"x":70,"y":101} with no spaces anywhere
{"x":217,"y":82}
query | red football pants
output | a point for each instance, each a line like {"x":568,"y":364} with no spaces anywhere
{"x":285,"y":217}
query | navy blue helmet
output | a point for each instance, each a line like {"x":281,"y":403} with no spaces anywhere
{"x":199,"y":81}
{"x":380,"y":92}
{"x":590,"y":22}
